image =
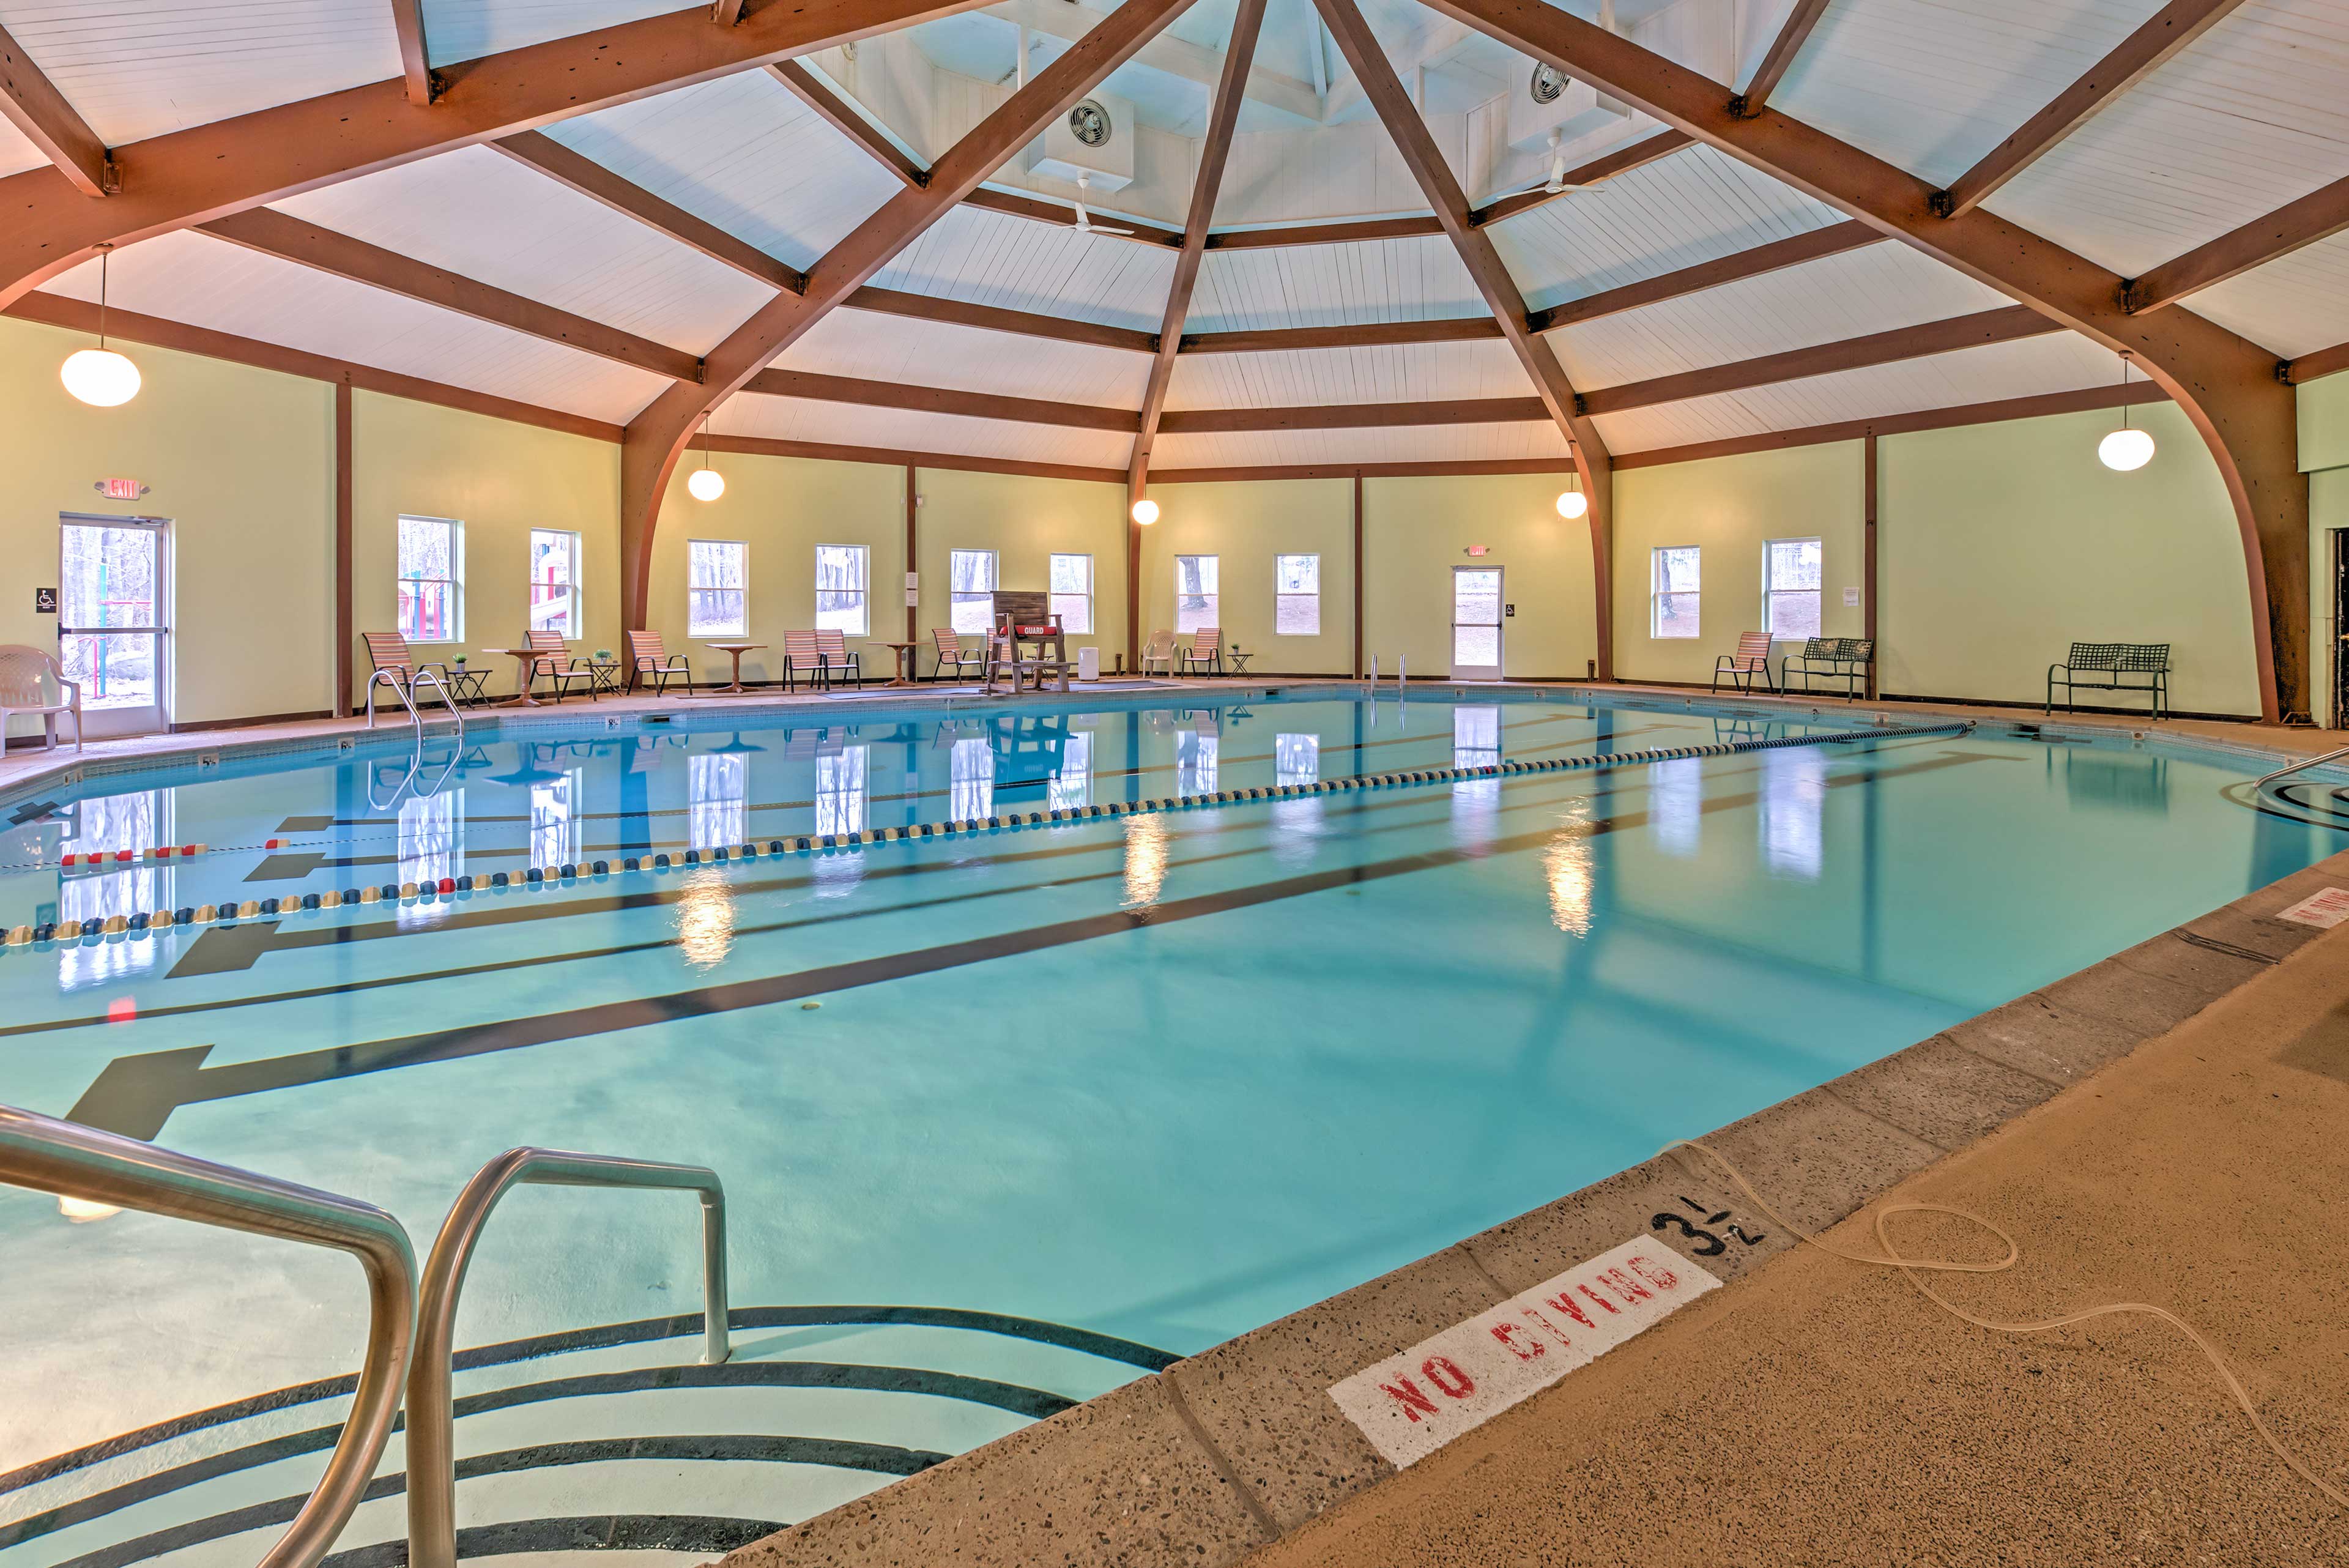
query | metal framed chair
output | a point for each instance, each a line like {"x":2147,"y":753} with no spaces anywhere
{"x":1844,"y":658}
{"x":22,"y":668}
{"x":951,"y":651}
{"x":1205,"y":650}
{"x":650,"y":663}
{"x":832,"y":652}
{"x":559,"y":664}
{"x":1750,"y":660}
{"x":804,"y":661}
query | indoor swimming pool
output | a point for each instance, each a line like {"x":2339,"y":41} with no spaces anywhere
{"x":1092,"y":1094}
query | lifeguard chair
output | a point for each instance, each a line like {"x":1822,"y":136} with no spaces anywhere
{"x":1025,"y":617}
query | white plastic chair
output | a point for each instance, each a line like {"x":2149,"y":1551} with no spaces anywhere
{"x":21,"y":669}
{"x":1159,"y":650}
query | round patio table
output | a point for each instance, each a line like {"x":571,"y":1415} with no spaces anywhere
{"x":905,"y":651}
{"x":735,"y":687}
{"x":526,"y":656}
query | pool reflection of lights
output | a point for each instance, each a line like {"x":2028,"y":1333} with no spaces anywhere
{"x":1566,"y":867}
{"x":1146,"y":858}
{"x":81,"y":1210}
{"x":705,"y":919}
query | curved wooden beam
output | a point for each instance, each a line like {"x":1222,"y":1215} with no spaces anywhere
{"x":32,"y":103}
{"x":2226,"y":386}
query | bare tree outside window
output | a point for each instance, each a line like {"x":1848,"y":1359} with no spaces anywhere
{"x":1672,"y":591}
{"x":841,"y":601}
{"x":1790,"y":582}
{"x":1072,"y":592}
{"x":970,"y":588}
{"x":1296,"y":595}
{"x":1195,"y":600}
{"x":717,"y":592}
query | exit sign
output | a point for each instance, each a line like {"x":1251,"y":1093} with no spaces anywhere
{"x":120,"y":489}
{"x":1480,"y":549}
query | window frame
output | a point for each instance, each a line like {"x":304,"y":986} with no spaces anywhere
{"x":1053,"y":595}
{"x":863,"y":555}
{"x":1279,"y":596}
{"x":1658,"y":594}
{"x":955,"y":596}
{"x":1817,"y":591}
{"x":572,"y":617}
{"x":455,"y":581}
{"x":741,"y":625}
{"x":1213,"y":615}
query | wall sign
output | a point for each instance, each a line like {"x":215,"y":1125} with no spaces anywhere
{"x":120,"y":489}
{"x":1851,"y":598}
{"x":45,"y":601}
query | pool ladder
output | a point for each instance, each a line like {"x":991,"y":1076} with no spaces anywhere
{"x":1401,"y":660}
{"x":411,"y":1328}
{"x":2265,"y":779}
{"x":419,"y":678}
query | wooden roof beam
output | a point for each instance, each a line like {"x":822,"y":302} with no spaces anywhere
{"x":415,"y":68}
{"x":1777,"y":254}
{"x":1792,"y":36}
{"x":2319,"y":215}
{"x":994,"y":318}
{"x":1360,"y":416}
{"x":1361,"y":334}
{"x":2138,"y":56}
{"x":31,"y":102}
{"x":836,"y":112}
{"x":938,"y":401}
{"x":1606,"y":166}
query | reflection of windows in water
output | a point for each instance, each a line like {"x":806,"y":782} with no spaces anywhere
{"x":107,"y":824}
{"x":1475,"y":737}
{"x":1194,"y":764}
{"x":717,"y":781}
{"x":1297,"y":759}
{"x":1676,"y":804}
{"x":1794,"y":796}
{"x":971,"y":785}
{"x":554,"y":821}
{"x":839,"y":791}
{"x":431,"y":846}
{"x":1072,"y":786}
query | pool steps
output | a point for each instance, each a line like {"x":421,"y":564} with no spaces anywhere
{"x":140,"y":925}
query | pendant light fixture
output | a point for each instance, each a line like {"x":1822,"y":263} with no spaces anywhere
{"x":99,"y":377}
{"x":1145,"y":511}
{"x":1572,"y":504}
{"x":706,"y":483}
{"x":2127,"y":448}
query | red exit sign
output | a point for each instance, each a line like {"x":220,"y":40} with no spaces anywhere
{"x":120,"y":489}
{"x":1480,"y":549}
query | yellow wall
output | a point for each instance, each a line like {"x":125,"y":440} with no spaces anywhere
{"x":241,"y":462}
{"x":1025,"y":522}
{"x":1416,"y":530}
{"x":500,"y":480}
{"x":1244,"y":526}
{"x":2001,"y":545}
{"x":1730,"y":507}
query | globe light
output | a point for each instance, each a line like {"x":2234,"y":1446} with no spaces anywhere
{"x":2125,"y":450}
{"x":100,"y":377}
{"x":706,"y":484}
{"x":1572,"y":504}
{"x":1145,"y":511}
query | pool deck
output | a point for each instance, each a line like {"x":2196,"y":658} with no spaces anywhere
{"x":2167,"y":1125}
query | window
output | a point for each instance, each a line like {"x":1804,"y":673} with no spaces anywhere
{"x":431,"y":579}
{"x":842,"y":603}
{"x":717,"y":594}
{"x":1672,"y":592}
{"x":1297,"y":758}
{"x":554,"y":581}
{"x":1296,"y":595}
{"x":840,"y":790}
{"x":554,"y":818}
{"x":970,"y":584}
{"x":970,"y":790}
{"x":1195,"y":760}
{"x":1072,"y":592}
{"x":718,"y":787}
{"x":1790,"y":570}
{"x":1072,"y":785}
{"x":1194,"y":594}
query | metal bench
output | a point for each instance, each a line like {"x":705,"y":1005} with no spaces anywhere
{"x":1844,"y":658}
{"x":2115,"y":661}
{"x":1751,"y":658}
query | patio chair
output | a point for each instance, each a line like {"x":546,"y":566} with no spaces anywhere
{"x":1159,"y":650}
{"x":832,"y":647}
{"x":804,"y":661}
{"x":560,"y":665}
{"x":952,"y":651}
{"x":21,"y":669}
{"x":396,"y":666}
{"x":1205,"y":649}
{"x":1750,"y":660}
{"x":648,"y":661}
{"x":1844,"y":658}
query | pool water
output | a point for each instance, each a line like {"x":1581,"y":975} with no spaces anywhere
{"x":1161,"y":1078}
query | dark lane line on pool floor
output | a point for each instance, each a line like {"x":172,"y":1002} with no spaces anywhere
{"x":136,"y":1094}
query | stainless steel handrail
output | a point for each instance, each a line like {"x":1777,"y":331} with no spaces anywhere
{"x":74,"y":1161}
{"x":2261,"y":780}
{"x":432,"y":677}
{"x":432,"y":1422}
{"x":418,"y":677}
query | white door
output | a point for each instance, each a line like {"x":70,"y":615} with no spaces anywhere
{"x":113,"y":612}
{"x":1476,"y":623}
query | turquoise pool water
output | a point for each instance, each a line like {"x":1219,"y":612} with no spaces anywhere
{"x":1161,"y":1077}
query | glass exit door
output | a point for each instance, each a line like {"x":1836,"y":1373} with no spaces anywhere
{"x":112,"y":620}
{"x":1476,"y":623}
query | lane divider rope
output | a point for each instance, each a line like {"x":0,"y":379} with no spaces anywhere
{"x":140,"y":926}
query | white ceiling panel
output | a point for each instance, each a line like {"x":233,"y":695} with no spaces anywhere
{"x":1849,"y":295}
{"x":745,"y":154}
{"x":850,"y":424}
{"x":188,"y":277}
{"x":1696,"y":205}
{"x":986,"y":257}
{"x":1401,"y":443}
{"x":2248,"y":117}
{"x":481,"y":215}
{"x":468,"y":29}
{"x":2292,"y":306}
{"x":2058,"y":363}
{"x":18,"y":152}
{"x":1933,"y":85}
{"x":137,"y":68}
{"x":1417,"y":372}
{"x":877,"y":348}
{"x":1332,"y":285}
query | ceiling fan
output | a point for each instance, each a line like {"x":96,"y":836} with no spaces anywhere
{"x":1556,"y":184}
{"x":1085,"y":224}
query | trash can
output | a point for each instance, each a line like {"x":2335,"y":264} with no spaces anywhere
{"x":1088,"y":664}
